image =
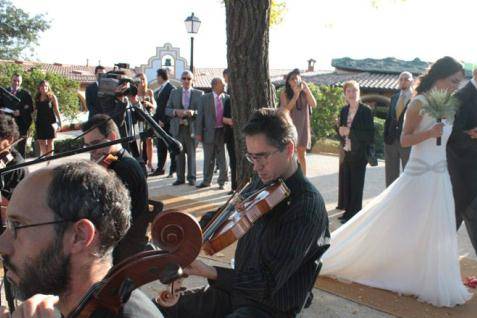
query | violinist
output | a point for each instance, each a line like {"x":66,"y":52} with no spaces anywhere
{"x":9,"y":156}
{"x":128,"y":169}
{"x":277,"y":260}
{"x":63,"y":223}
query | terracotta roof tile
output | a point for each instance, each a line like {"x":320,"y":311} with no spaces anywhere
{"x":378,"y":81}
{"x":79,"y":73}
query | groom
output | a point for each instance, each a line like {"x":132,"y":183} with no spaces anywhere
{"x":462,"y":159}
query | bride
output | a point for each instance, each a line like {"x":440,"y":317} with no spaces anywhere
{"x":405,"y":239}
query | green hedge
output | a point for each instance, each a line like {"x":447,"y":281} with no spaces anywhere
{"x":379,"y":137}
{"x":67,"y":144}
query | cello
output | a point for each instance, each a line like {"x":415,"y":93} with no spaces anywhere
{"x":180,"y":238}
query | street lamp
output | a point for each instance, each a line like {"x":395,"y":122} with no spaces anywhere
{"x":192,"y":24}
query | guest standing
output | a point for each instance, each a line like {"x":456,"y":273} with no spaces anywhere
{"x":162,"y":96}
{"x":357,"y":131}
{"x":92,"y":93}
{"x":146,"y":97}
{"x":22,"y":110}
{"x":47,"y":115}
{"x":182,"y":108}
{"x":394,"y":153}
{"x":229,"y":134}
{"x":298,"y":100}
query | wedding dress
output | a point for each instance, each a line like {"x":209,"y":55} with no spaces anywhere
{"x":405,"y":239}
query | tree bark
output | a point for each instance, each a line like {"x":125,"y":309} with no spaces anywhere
{"x":247,"y":57}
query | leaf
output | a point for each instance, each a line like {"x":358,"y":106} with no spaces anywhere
{"x":440,"y":104}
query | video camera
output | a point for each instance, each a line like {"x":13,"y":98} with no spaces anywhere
{"x":110,"y":82}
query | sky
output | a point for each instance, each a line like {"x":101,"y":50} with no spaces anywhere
{"x":112,"y":31}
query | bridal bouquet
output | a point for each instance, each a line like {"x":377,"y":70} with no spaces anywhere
{"x":440,"y":104}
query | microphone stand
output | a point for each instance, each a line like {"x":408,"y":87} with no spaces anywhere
{"x":174,"y":146}
{"x":12,"y":98}
{"x":69,"y":153}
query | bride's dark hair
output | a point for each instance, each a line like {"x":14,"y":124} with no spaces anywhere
{"x":442,"y":68}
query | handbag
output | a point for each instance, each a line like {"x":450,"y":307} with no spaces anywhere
{"x":371,"y":155}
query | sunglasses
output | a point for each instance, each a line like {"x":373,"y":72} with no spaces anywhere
{"x":186,"y":79}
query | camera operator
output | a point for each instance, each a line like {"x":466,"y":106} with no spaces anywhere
{"x":115,"y":104}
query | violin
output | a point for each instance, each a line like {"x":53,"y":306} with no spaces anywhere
{"x":229,"y":224}
{"x":5,"y":158}
{"x":232,"y":223}
{"x":6,"y":155}
{"x":180,"y":238}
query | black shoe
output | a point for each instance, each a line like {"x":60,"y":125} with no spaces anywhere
{"x":230,"y":192}
{"x":177,"y":182}
{"x":221,"y":187}
{"x":343,"y":221}
{"x":202,"y":185}
{"x":191,"y":182}
{"x":157,"y":172}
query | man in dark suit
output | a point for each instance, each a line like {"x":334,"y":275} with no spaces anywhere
{"x":182,"y":109}
{"x":92,"y":93}
{"x":162,"y":96}
{"x":21,"y":111}
{"x":462,"y":159}
{"x":394,"y":153}
{"x":210,"y":131}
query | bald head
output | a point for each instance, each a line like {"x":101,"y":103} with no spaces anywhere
{"x":29,"y":200}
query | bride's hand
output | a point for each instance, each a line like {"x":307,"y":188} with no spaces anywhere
{"x":436,"y":130}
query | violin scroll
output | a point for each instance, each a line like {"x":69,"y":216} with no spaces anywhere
{"x":170,"y":296}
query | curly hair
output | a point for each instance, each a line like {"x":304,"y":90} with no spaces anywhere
{"x":8,"y":127}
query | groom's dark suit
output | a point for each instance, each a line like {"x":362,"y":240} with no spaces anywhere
{"x":462,"y":161}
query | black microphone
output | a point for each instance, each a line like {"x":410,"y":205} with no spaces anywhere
{"x":9,"y":95}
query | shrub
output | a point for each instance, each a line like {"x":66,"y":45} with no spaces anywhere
{"x":68,"y":144}
{"x":329,"y":101}
{"x":379,"y":137}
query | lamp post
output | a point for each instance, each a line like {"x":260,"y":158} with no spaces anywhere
{"x":192,"y":24}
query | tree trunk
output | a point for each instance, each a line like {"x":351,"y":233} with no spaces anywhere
{"x":247,"y":57}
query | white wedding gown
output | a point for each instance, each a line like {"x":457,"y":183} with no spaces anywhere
{"x":405,"y":239}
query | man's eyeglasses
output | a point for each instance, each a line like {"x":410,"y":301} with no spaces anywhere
{"x":260,"y":157}
{"x":14,"y":226}
{"x":186,"y":78}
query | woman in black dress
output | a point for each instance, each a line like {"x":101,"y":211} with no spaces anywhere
{"x":47,"y":115}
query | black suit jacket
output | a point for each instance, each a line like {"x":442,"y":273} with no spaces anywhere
{"x":25,"y":107}
{"x":161,"y":101}
{"x":393,"y":125}
{"x":361,"y":131}
{"x":92,"y":100}
{"x":228,"y":130}
{"x":460,"y":146}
